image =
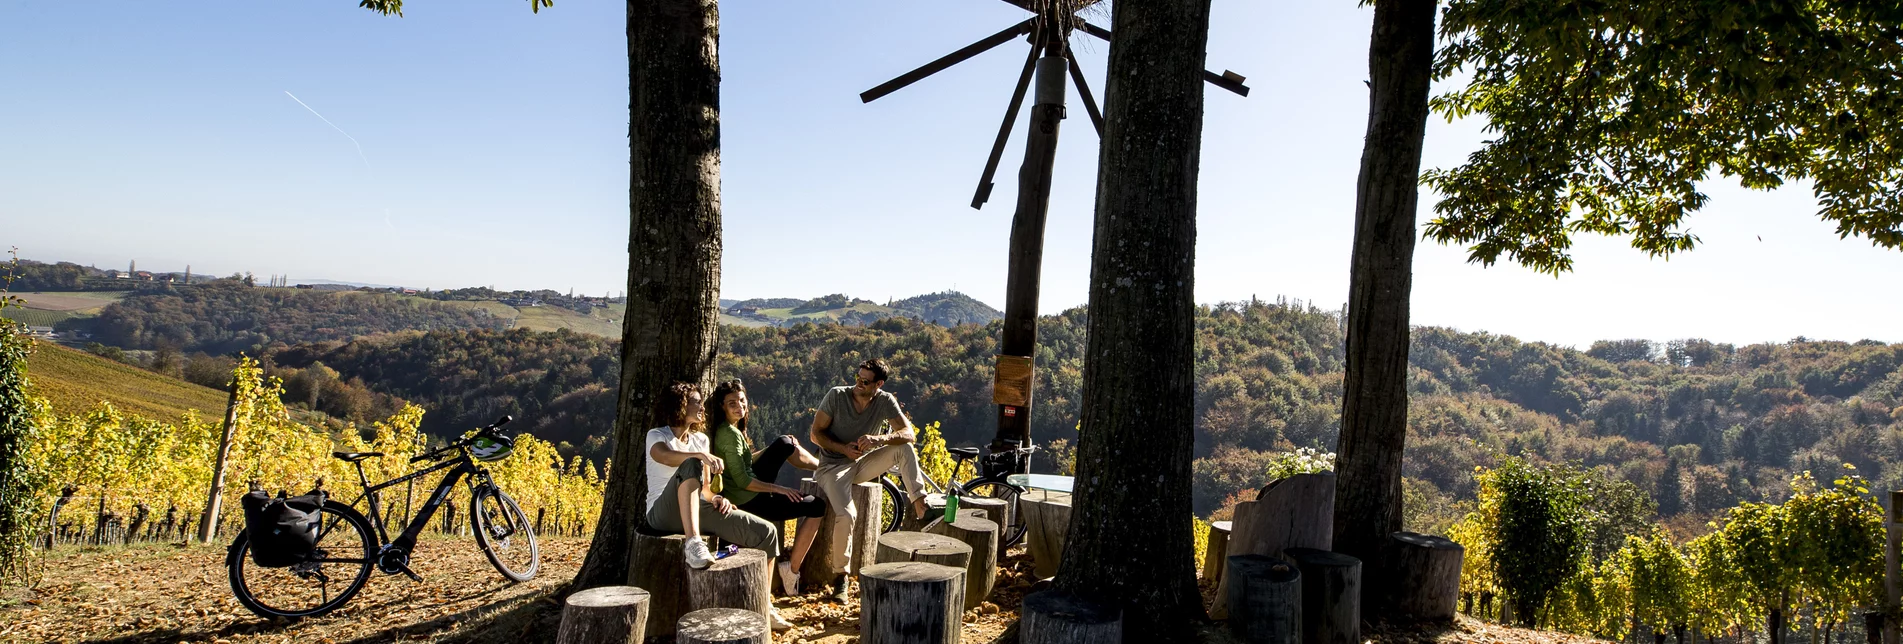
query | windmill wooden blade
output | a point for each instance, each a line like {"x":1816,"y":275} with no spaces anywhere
{"x":1083,"y":91}
{"x":947,"y":60}
{"x":1076,"y":5}
{"x":1227,"y":80}
{"x":1004,"y":131}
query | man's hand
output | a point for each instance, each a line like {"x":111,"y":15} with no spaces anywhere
{"x":722,"y":505}
{"x":852,"y":450}
{"x":871,"y":442}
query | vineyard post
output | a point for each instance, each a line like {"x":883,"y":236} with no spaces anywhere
{"x":1890,"y":574}
{"x":208,"y":524}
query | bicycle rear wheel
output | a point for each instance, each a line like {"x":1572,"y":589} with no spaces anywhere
{"x":504,"y":534}
{"x":346,"y":548}
{"x":892,"y":514}
{"x":998,"y":489}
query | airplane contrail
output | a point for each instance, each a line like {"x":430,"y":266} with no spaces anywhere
{"x":320,"y":117}
{"x":353,"y":141}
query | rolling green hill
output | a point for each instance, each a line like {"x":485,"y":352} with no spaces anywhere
{"x":75,"y":381}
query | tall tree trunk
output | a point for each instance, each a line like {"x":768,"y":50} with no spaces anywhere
{"x":1374,"y":404}
{"x":671,"y":325}
{"x":1130,"y":542}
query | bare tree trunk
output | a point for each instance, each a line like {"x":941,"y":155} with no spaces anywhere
{"x":1130,"y":546}
{"x":673,"y":313}
{"x":1374,"y":403}
{"x":208,"y":522}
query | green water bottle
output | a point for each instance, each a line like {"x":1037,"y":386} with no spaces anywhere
{"x":951,"y":508}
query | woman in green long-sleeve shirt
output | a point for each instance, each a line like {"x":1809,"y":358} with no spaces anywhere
{"x":748,"y":477}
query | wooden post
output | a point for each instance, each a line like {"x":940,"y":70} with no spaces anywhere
{"x":1331,"y":596}
{"x":1267,"y":595}
{"x":723,"y":626}
{"x":208,"y":522}
{"x":1046,"y":522}
{"x":658,"y":564}
{"x":605,"y":615}
{"x":1893,"y":530}
{"x":982,"y":535}
{"x":1216,"y":553}
{"x":1295,"y":512}
{"x":1058,"y":617}
{"x":742,"y":580}
{"x":817,"y":570}
{"x":1025,"y":268}
{"x":1423,"y":576}
{"x":995,"y":510}
{"x":923,"y":547}
{"x":869,"y":499}
{"x":911,"y":603}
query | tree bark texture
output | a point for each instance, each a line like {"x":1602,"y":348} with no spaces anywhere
{"x":1058,"y":617}
{"x":995,"y":510}
{"x":1267,"y":595}
{"x":1128,"y":547}
{"x":1294,"y":512}
{"x":671,"y":325}
{"x":1331,"y":596}
{"x":1425,"y":575}
{"x":723,"y":626}
{"x":973,"y":529}
{"x":817,"y":570}
{"x":902,"y":546}
{"x":659,"y":566}
{"x":870,"y":499}
{"x":1046,"y":524}
{"x":604,"y":615}
{"x":911,"y":603}
{"x":1374,"y":400}
{"x":742,"y":580}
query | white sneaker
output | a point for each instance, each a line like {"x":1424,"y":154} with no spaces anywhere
{"x":780,"y":625}
{"x":697,"y":555}
{"x":789,"y":579}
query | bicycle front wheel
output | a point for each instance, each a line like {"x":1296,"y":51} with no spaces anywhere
{"x":1011,"y":534}
{"x":333,"y":573}
{"x":892,"y":514}
{"x":504,"y":534}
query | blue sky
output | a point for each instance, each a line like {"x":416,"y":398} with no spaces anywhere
{"x":494,"y":152}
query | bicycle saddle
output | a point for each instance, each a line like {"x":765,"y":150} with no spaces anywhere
{"x":352,"y":457}
{"x":962,"y":453}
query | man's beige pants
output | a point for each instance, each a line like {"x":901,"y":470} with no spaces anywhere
{"x":836,"y":481}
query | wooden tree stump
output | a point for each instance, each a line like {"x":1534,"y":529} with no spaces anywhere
{"x":995,"y":510}
{"x":742,"y":580}
{"x":1046,"y":523}
{"x":1216,"y":553}
{"x":1058,"y":617}
{"x":1422,"y":576}
{"x":924,"y":547}
{"x":723,"y":626}
{"x":817,"y":570}
{"x":981,"y":534}
{"x":1295,"y":512}
{"x":1267,"y":595}
{"x":1331,"y":596}
{"x":869,"y":499}
{"x":658,"y":564}
{"x":911,"y":603}
{"x":605,"y":615}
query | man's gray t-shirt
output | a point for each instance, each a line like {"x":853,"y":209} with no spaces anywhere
{"x":849,"y":425}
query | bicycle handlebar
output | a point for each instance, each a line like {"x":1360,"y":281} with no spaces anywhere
{"x":491,"y":428}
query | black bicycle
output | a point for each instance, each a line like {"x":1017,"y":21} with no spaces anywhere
{"x":349,"y":544}
{"x":988,"y":483}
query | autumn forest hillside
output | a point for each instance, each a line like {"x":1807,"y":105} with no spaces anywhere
{"x":1701,"y":426}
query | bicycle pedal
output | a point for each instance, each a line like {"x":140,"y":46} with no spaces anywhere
{"x":411,"y":574}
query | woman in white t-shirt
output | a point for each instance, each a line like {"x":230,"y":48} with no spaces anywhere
{"x":680,"y":501}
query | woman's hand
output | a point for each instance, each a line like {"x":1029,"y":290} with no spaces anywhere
{"x":790,"y":493}
{"x":722,"y":505}
{"x":714,"y":465}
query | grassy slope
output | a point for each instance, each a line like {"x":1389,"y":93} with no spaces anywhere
{"x":47,"y":309}
{"x":75,"y":381}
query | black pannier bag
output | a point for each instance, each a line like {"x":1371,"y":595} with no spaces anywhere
{"x":283,"y":531}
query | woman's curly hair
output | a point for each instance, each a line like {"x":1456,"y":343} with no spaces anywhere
{"x":672,"y":405}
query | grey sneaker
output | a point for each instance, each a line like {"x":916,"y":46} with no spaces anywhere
{"x":789,"y":579}
{"x":697,"y":555}
{"x":839,"y":589}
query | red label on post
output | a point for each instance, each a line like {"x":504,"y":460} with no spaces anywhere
{"x":1010,"y":411}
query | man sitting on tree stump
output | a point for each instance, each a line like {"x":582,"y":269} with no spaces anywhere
{"x":847,"y":429}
